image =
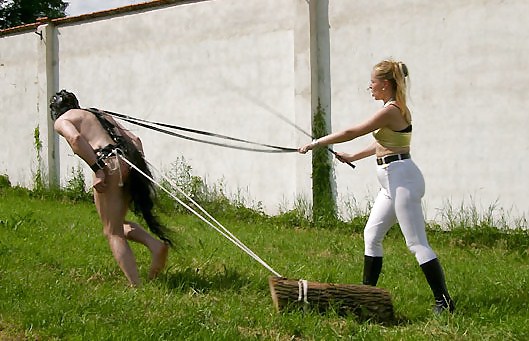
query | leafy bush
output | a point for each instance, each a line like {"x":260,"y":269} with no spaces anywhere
{"x":76,"y":187}
{"x":4,"y":181}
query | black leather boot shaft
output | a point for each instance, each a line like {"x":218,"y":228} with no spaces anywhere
{"x":435,"y":276}
{"x":372,"y":269}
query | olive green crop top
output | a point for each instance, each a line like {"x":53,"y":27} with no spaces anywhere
{"x":390,"y":138}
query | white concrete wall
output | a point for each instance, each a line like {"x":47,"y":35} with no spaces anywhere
{"x":242,"y":68}
{"x":467,"y":63}
{"x":19,"y":109}
{"x":227,"y":67}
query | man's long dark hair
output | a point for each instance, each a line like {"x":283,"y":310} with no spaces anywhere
{"x":142,"y":194}
{"x":140,"y":188}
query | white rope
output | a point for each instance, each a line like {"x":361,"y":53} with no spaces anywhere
{"x":303,"y":290}
{"x":232,"y":237}
{"x":225,"y":233}
{"x":115,"y":152}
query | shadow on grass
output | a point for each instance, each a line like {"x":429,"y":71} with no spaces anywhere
{"x":358,"y":314}
{"x":196,"y":280}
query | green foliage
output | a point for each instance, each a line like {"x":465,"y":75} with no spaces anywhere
{"x":324,"y":207}
{"x":4,"y":181}
{"x":76,"y":187}
{"x":471,"y":215}
{"x":20,"y":12}
{"x":38,"y":178}
{"x":299,"y":216}
{"x":180,"y":180}
{"x":58,"y":281}
{"x":515,"y":240}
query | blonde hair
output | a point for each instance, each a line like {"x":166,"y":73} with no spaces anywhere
{"x":396,"y":73}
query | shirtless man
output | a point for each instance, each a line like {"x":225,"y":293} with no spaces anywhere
{"x":100,"y":141}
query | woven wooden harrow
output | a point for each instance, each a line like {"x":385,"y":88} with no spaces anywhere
{"x":367,"y":302}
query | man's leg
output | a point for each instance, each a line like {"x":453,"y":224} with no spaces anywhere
{"x":159,"y":250}
{"x":112,"y":209}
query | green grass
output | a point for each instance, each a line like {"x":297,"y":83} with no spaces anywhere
{"x":58,"y":280}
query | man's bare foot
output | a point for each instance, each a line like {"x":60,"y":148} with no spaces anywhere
{"x":159,"y":258}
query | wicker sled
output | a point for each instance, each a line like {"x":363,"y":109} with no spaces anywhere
{"x":367,"y":302}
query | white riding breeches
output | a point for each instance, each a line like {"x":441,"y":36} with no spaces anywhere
{"x":399,"y":200}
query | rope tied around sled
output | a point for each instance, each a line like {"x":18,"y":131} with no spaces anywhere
{"x":303,"y":287}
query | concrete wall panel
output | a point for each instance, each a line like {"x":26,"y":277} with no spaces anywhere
{"x":243,"y":68}
{"x":18,"y":107}
{"x":466,"y":63}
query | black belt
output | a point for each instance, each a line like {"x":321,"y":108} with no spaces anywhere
{"x":390,"y":158}
{"x":107,"y":151}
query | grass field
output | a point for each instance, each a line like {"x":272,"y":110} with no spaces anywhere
{"x":58,"y":280}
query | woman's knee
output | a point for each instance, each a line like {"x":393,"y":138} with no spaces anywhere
{"x":374,"y":235}
{"x":373,"y":244}
{"x":372,"y":239}
{"x":423,"y":253}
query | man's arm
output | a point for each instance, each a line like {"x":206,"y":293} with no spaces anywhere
{"x":82,"y":148}
{"x":77,"y":142}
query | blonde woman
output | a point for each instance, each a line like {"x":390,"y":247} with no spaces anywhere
{"x":402,"y":183}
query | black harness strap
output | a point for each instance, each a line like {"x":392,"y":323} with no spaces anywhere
{"x":140,"y":188}
{"x":110,"y":128}
{"x":150,"y":125}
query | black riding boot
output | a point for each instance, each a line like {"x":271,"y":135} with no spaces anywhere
{"x":436,"y":279}
{"x":372,"y":268}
